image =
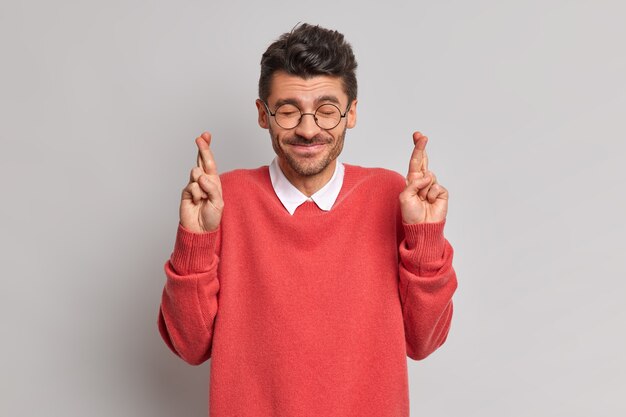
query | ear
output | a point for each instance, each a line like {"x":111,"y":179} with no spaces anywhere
{"x":352,"y":115}
{"x":263,"y":116}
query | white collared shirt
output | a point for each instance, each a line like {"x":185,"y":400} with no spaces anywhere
{"x":292,"y":198}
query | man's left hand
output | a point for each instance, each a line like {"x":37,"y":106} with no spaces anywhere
{"x":423,"y":200}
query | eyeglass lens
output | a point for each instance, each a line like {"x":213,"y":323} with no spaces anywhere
{"x":327,"y":116}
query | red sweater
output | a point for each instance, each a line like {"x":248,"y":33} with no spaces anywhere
{"x":312,"y":314}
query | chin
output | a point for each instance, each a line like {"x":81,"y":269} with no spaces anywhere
{"x":308,"y":169}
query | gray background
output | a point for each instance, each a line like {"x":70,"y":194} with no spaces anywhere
{"x":523,"y":102}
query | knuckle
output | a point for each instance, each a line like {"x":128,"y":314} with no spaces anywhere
{"x":205,"y":183}
{"x":187,"y":192}
{"x":195,"y":173}
{"x":202,"y":180}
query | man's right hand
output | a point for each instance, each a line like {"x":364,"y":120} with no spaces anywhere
{"x":201,"y":204}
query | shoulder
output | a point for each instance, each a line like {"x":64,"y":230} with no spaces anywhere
{"x":376,"y":189}
{"x":374,"y":176}
{"x":245,"y":182}
{"x":245,"y":176}
{"x":371,"y":187}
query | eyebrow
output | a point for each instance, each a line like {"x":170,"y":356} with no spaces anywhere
{"x":330,"y":98}
{"x":295,"y":102}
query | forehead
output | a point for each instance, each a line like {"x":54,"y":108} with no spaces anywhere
{"x":305,"y":90}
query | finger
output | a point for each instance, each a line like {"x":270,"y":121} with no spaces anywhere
{"x":417,"y":137}
{"x":424,"y":190}
{"x":205,"y":156}
{"x":416,"y":164}
{"x":196,"y":172}
{"x":197,"y":193}
{"x":422,"y":178}
{"x":192,"y":191}
{"x":433,"y":192}
{"x":414,"y":187}
{"x":437,"y":191}
{"x":414,"y":176}
{"x":210,"y":186}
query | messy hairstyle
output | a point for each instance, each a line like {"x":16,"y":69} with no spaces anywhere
{"x":308,"y":51}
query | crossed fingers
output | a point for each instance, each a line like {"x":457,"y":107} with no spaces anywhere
{"x":418,"y":166}
{"x":205,"y":156}
{"x":419,"y":159}
{"x":203,"y":179}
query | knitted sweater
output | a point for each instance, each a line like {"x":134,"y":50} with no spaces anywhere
{"x":312,"y":314}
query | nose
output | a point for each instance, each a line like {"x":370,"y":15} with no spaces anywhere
{"x":307,"y":128}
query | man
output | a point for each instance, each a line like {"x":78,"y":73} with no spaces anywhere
{"x":308,"y":281}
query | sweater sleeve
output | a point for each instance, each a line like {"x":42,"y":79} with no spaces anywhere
{"x":427,"y":282}
{"x":189,"y":301}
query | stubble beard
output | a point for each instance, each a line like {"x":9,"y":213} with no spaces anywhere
{"x":310,"y":166}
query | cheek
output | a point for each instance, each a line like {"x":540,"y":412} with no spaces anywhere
{"x":273,"y":135}
{"x":276,"y":139}
{"x":280,"y":137}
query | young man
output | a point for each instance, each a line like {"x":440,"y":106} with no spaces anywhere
{"x":308,"y":282}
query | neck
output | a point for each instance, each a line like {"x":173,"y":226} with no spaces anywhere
{"x":308,"y":184}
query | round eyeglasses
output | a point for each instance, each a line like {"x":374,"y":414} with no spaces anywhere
{"x":288,"y":116}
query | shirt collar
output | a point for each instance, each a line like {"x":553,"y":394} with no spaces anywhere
{"x":292,"y":198}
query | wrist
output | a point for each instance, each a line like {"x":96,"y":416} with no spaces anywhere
{"x":194,"y":251}
{"x":426,"y":239}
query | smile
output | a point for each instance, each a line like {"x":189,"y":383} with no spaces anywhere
{"x":307,"y":148}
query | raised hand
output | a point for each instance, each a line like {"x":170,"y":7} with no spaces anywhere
{"x":423,"y":200}
{"x":201,"y":204}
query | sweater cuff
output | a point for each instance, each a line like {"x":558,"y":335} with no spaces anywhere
{"x":426,"y":239}
{"x":194,"y":252}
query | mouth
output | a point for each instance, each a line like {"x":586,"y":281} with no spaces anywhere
{"x":308,"y":150}
{"x":307,"y":143}
{"x":307,"y":147}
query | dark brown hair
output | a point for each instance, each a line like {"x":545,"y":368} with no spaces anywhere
{"x":308,"y":51}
